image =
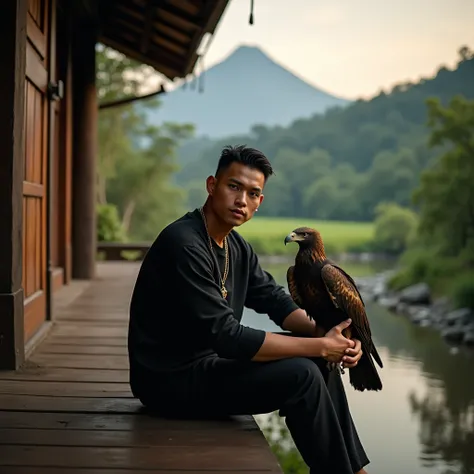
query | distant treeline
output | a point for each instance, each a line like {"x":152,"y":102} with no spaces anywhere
{"x":344,"y":163}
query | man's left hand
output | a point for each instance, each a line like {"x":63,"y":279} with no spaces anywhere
{"x":353,"y":355}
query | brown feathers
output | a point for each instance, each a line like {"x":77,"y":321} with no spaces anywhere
{"x":290,"y":278}
{"x":345,"y":296}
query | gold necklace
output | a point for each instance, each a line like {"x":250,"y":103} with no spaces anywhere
{"x":226,"y":267}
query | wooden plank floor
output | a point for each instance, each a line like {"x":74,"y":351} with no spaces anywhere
{"x":69,"y":410}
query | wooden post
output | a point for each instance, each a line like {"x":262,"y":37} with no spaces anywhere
{"x":66,"y":166}
{"x":84,"y":152}
{"x":12,"y":90}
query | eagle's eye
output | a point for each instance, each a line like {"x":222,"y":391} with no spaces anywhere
{"x":305,"y":235}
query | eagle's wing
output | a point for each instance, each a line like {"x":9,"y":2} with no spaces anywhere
{"x":351,"y":280}
{"x":345,"y":295}
{"x":290,"y":278}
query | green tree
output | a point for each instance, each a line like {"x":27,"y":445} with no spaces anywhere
{"x":109,"y":226}
{"x":443,"y":255}
{"x":296,"y":172}
{"x":395,"y":227}
{"x":136,"y":159}
{"x":392,"y":177}
{"x":322,"y":198}
{"x":446,"y":193}
{"x":118,"y":77}
{"x":142,"y":182}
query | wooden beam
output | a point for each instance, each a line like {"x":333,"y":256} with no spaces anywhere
{"x":159,"y":37}
{"x":52,"y":148}
{"x":65,"y":141}
{"x":190,"y":7}
{"x":120,"y":28}
{"x":177,"y":16}
{"x":174,"y":32}
{"x":128,"y":100}
{"x":165,"y":64}
{"x":197,"y":37}
{"x":209,"y":25}
{"x":12,"y":89}
{"x":85,"y":111}
{"x":149,"y":14}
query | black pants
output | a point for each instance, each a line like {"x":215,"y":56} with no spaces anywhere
{"x":312,"y":399}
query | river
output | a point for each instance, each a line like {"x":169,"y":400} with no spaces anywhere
{"x":422,"y":421}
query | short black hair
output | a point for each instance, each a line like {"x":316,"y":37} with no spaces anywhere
{"x":248,"y":156}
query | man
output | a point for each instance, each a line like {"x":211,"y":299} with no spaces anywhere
{"x":189,"y":353}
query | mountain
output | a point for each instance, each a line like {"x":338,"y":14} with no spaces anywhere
{"x":245,"y":89}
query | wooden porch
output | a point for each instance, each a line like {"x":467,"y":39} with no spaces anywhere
{"x":69,"y":409}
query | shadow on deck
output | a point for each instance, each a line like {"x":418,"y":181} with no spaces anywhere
{"x":70,"y":409}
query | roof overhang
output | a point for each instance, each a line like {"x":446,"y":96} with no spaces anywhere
{"x":164,"y":34}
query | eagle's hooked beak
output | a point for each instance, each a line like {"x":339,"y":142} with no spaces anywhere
{"x":290,"y":238}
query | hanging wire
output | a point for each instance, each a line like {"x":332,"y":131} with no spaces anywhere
{"x":199,"y":80}
{"x":201,"y":76}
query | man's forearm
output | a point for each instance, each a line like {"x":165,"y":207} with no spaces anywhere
{"x":278,"y":346}
{"x":299,"y":323}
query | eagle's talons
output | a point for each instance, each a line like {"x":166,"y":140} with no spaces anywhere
{"x":334,"y":366}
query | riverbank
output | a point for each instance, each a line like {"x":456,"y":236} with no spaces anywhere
{"x":421,"y":308}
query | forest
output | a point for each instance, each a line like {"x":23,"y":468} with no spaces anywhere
{"x":343,"y":164}
{"x":338,"y":166}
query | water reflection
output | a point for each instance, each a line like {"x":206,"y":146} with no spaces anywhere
{"x":445,"y":432}
{"x":423,"y":420}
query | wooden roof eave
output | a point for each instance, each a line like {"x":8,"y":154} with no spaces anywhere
{"x":213,"y":18}
{"x":164,"y":60}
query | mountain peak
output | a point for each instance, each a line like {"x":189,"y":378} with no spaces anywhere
{"x":245,"y":53}
{"x":247,"y":49}
{"x":253,"y":86}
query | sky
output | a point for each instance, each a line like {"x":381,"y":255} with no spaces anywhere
{"x":350,"y":48}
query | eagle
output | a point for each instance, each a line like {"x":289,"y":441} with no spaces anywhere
{"x":329,"y":296}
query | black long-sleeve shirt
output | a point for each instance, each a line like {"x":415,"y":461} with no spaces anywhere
{"x":177,"y":312}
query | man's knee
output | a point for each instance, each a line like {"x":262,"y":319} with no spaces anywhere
{"x":304,"y":372}
{"x":305,"y":385}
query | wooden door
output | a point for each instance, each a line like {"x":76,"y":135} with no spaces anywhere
{"x":35,"y":166}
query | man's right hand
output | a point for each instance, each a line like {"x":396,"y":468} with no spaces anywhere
{"x":335,"y":344}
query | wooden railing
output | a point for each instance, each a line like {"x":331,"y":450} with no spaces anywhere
{"x":122,"y":251}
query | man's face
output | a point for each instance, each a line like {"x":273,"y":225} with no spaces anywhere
{"x":236,"y":193}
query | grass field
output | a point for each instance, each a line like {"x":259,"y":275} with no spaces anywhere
{"x":266,"y":235}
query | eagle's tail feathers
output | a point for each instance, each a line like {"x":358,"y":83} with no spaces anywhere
{"x":364,"y":375}
{"x":376,"y":356}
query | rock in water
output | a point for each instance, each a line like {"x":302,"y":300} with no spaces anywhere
{"x":416,"y":294}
